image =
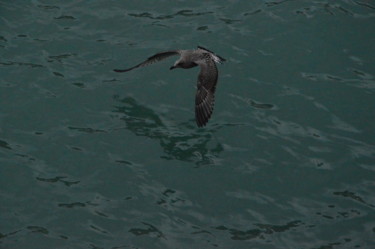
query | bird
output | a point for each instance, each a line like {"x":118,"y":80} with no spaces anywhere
{"x":207,"y":78}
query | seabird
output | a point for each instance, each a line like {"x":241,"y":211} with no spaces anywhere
{"x":207,"y":78}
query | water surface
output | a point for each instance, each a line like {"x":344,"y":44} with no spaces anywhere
{"x":94,"y":159}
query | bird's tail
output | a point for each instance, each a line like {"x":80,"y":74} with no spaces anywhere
{"x":216,"y":57}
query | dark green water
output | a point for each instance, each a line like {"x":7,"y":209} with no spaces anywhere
{"x":94,"y":159}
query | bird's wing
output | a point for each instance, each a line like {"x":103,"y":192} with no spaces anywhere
{"x":206,"y":85}
{"x":217,"y":58}
{"x":155,"y":58}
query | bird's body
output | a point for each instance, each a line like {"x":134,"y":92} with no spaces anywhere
{"x":207,"y":78}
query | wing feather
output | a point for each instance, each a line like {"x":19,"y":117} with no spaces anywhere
{"x":205,"y":96}
{"x":153,"y":59}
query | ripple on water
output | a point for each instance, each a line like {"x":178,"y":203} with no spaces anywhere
{"x":186,"y":13}
{"x":5,"y":145}
{"x":147,"y":230}
{"x":58,"y":179}
{"x":356,"y":9}
{"x":294,"y":171}
{"x":260,"y":231}
{"x":253,"y":103}
{"x":363,"y":80}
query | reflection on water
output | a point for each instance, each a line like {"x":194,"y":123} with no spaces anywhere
{"x":184,"y":142}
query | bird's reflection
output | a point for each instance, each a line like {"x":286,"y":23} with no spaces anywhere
{"x":183,"y":142}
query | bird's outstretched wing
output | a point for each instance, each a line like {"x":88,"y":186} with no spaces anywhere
{"x":217,"y":58}
{"x":155,"y":58}
{"x":206,"y":85}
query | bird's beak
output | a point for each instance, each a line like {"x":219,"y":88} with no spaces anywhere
{"x":172,"y":67}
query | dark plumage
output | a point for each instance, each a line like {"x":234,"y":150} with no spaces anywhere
{"x":207,"y":78}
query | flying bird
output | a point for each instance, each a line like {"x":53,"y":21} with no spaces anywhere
{"x":207,"y":78}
